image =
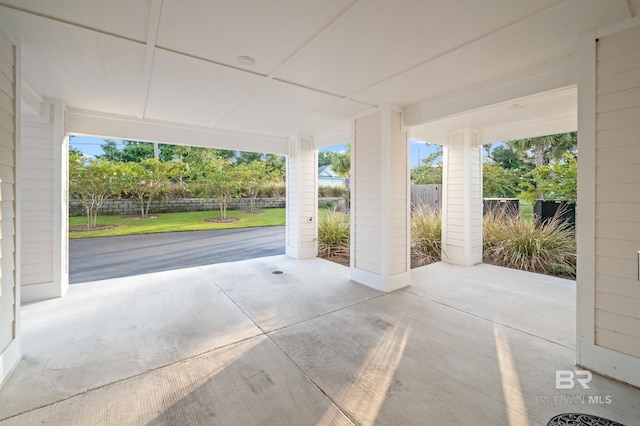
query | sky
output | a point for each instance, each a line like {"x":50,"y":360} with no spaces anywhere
{"x":90,"y":146}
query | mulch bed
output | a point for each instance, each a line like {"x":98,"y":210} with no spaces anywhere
{"x":218,"y":220}
{"x":83,"y":228}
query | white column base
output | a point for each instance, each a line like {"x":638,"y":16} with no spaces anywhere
{"x":37,"y":292}
{"x":378,"y":282}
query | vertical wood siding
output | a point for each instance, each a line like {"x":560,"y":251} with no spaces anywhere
{"x":617,"y":298}
{"x":7,"y":192}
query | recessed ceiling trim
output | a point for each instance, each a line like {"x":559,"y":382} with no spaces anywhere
{"x":341,"y":16}
{"x":155,"y":12}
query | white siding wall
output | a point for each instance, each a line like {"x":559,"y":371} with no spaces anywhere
{"x":617,"y":297}
{"x":302,"y":199}
{"x":9,"y":292}
{"x":399,"y":198}
{"x":367,"y":195}
{"x":462,"y":199}
{"x":380,"y":201}
{"x":37,"y":203}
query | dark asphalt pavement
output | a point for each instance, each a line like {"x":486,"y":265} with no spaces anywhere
{"x":92,"y":259}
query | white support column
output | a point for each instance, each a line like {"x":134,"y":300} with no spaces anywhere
{"x":462,"y":199}
{"x":44,"y":204}
{"x":302,"y":198}
{"x":380,"y":201}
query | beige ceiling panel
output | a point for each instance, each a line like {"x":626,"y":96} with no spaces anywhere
{"x":122,"y":17}
{"x":384,"y":37}
{"x":222,"y":30}
{"x":86,"y":69}
{"x":274,"y":105}
{"x":193,"y":91}
{"x":329,"y":119}
{"x":550,"y":35}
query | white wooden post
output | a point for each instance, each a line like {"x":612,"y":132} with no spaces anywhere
{"x":380,"y":200}
{"x":302,"y":198}
{"x":462,"y":199}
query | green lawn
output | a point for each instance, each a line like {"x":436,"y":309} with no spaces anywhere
{"x":526,"y":210}
{"x":171,"y":222}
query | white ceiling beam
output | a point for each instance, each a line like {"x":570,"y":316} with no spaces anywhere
{"x":32,"y":102}
{"x":92,"y":123}
{"x":547,"y":77}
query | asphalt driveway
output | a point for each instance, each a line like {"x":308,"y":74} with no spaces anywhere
{"x":92,"y":259}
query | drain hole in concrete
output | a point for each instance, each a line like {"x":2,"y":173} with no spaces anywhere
{"x":277,"y":272}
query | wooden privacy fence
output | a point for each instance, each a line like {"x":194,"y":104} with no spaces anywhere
{"x":430,"y":195}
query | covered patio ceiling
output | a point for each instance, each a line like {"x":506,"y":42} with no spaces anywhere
{"x":542,"y":114}
{"x":316,"y":63}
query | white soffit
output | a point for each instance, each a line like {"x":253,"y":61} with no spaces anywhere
{"x":382,"y":38}
{"x":268,"y":31}
{"x":318,"y":122}
{"x":58,"y":61}
{"x":272,"y":106}
{"x":538,"y":115}
{"x":121,"y":17}
{"x":545,"y":35}
{"x":199,"y":99}
{"x":316,"y":61}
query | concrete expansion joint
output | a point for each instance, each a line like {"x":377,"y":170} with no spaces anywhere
{"x":499,"y":323}
{"x":131,"y":377}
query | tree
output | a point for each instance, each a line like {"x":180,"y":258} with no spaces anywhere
{"x":557,"y":180}
{"x":324,"y":158}
{"x":500,"y":182}
{"x":507,"y":158}
{"x":341,"y":164}
{"x":149,"y":179}
{"x":547,"y":148}
{"x":93,"y":182}
{"x":220,"y":179}
{"x":430,"y":171}
{"x":75,"y":151}
{"x":110,"y":150}
{"x":254,"y":176}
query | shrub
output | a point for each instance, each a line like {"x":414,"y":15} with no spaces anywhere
{"x":426,"y":235}
{"x":333,"y":233}
{"x":327,"y":204}
{"x":512,"y":242}
{"x":330,"y":191}
{"x":337,"y":191}
{"x":278,"y":190}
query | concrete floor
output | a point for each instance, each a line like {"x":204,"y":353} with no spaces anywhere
{"x":236,"y":344}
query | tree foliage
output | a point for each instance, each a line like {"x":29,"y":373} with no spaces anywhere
{"x":218,"y":178}
{"x":557,"y":180}
{"x":547,"y":148}
{"x":149,"y":179}
{"x":254,"y":177}
{"x":500,"y":182}
{"x":430,"y":171}
{"x":93,"y":182}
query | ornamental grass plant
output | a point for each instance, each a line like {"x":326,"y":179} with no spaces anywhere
{"x":333,"y":233}
{"x":548,"y":248}
{"x":426,"y":231}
